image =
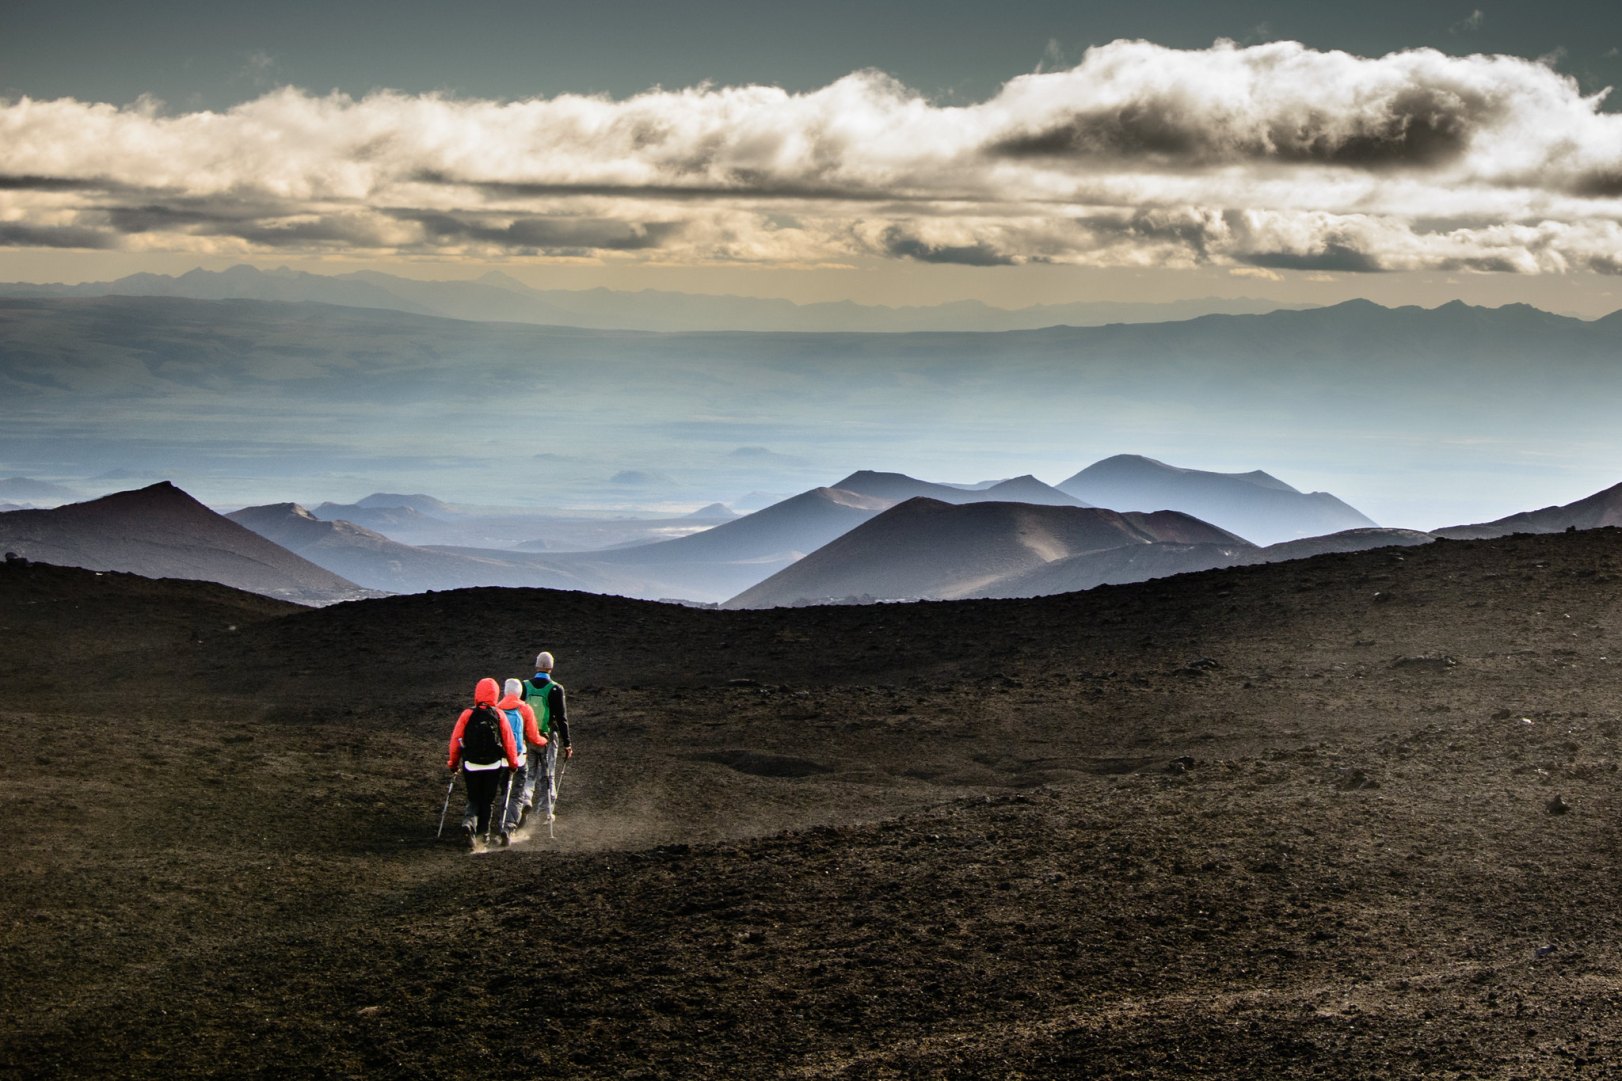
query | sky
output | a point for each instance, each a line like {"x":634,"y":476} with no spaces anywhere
{"x":909,"y":152}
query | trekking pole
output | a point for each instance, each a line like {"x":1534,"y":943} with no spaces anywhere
{"x":507,"y":799}
{"x":557,"y":786}
{"x":448,"y":790}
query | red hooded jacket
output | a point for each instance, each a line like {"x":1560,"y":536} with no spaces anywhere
{"x":484,"y":694}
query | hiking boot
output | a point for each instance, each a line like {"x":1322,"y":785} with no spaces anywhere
{"x":469,"y":838}
{"x":503,"y":839}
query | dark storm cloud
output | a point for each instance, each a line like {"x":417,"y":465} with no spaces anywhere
{"x":259,"y":223}
{"x":204,"y":215}
{"x":12,"y":182}
{"x":744,"y":184}
{"x":1133,"y":130}
{"x":1482,"y":264}
{"x":1420,"y":127}
{"x":334,"y":231}
{"x":20,"y":235}
{"x":546,"y":234}
{"x":1332,"y":258}
{"x":1600,"y":184}
{"x":1192,"y":232}
{"x":903,"y":244}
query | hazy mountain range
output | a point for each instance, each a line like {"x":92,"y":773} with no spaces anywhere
{"x":1415,"y":416}
{"x":499,"y":297}
{"x":717,"y":563}
{"x":833,"y":544}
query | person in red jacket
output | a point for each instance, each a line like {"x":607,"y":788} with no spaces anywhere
{"x":481,"y":744}
{"x":521,"y":720}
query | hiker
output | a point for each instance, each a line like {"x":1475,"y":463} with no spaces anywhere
{"x":521,"y":720}
{"x":545,"y":696}
{"x":481,"y":743}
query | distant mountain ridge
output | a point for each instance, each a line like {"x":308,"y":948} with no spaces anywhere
{"x":161,"y":532}
{"x":497,"y":297}
{"x":1256,"y":505}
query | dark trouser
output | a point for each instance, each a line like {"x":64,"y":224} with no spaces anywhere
{"x":482,"y":787}
{"x":515,"y":800}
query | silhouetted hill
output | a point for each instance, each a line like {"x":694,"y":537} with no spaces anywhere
{"x":376,"y":562}
{"x":1116,"y":566}
{"x":161,"y":532}
{"x":784,"y":530}
{"x":1347,"y":540}
{"x":927,"y":549}
{"x":422,"y":504}
{"x":386,"y":520}
{"x":1591,"y":512}
{"x":898,"y":488}
{"x":1257,"y":506}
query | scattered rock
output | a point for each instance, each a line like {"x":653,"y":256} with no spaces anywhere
{"x":1355,"y":780}
{"x":1434,"y":662}
{"x":1558,"y":805}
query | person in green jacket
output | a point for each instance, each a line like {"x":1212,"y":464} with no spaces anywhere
{"x":546,"y":698}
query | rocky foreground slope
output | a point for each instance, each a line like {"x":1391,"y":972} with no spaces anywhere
{"x":1344,"y":817}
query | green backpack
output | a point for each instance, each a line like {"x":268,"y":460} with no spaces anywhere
{"x":540,"y":700}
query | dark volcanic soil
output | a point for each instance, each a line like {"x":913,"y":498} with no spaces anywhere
{"x":1348,"y":817}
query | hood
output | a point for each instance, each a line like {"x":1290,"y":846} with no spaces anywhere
{"x":486,"y":693}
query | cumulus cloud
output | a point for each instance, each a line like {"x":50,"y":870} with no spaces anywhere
{"x":1266,"y":158}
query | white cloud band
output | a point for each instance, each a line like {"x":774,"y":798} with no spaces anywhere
{"x":1273,"y":156}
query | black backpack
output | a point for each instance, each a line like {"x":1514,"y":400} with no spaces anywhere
{"x":481,"y":736}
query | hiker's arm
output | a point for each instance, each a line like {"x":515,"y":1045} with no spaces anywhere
{"x":558,"y":716}
{"x":456,"y":740}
